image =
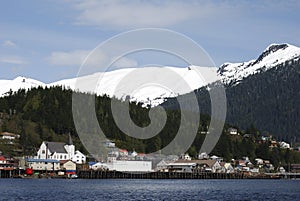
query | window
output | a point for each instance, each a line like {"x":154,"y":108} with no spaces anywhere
{"x":60,"y":157}
{"x":43,"y":151}
{"x":65,"y":157}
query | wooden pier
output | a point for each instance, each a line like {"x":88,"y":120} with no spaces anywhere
{"x":88,"y":174}
{"x":9,"y":173}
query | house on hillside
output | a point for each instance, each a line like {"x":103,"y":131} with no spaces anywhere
{"x":60,"y":151}
{"x":284,"y":145}
{"x":232,"y":131}
{"x":203,"y":155}
{"x":217,"y":158}
{"x":9,"y":136}
{"x":185,"y":157}
{"x":123,"y":152}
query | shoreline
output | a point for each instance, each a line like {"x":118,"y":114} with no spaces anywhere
{"x":100,"y":174}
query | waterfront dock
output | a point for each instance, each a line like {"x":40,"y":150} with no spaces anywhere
{"x":91,"y":174}
{"x":87,"y":174}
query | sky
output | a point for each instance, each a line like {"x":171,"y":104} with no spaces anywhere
{"x":49,"y":40}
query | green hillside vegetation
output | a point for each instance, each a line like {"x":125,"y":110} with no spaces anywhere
{"x":268,"y":100}
{"x":46,"y":114}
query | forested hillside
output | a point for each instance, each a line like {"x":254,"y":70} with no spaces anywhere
{"x":46,"y":114}
{"x":269,"y":100}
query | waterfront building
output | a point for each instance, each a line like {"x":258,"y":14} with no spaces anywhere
{"x":7,"y":163}
{"x":130,"y":166}
{"x":69,"y":167}
{"x":195,"y":166}
{"x":60,"y":151}
{"x":43,"y":164}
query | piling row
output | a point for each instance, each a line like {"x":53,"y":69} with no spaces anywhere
{"x":88,"y":174}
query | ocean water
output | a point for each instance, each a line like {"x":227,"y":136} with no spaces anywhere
{"x":114,"y":189}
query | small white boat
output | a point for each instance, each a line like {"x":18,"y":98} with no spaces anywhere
{"x":74,"y":176}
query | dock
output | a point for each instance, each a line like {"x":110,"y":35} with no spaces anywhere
{"x":88,"y":174}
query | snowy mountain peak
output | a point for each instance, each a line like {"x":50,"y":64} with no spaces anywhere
{"x":272,"y":56}
{"x":111,"y":83}
{"x":182,"y":80}
{"x":18,"y":83}
{"x":274,"y":47}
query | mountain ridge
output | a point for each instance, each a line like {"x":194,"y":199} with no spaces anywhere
{"x":228,"y":73}
{"x":272,"y":56}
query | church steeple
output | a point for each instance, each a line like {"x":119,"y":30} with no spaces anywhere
{"x":70,"y":142}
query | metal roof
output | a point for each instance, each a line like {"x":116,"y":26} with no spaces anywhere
{"x":58,"y":147}
{"x":32,"y":160}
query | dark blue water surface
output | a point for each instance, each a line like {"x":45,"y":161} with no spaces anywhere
{"x":81,"y":189}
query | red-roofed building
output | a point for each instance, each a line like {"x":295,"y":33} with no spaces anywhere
{"x":123,"y":152}
{"x":6,"y":163}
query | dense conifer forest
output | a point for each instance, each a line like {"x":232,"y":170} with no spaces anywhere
{"x":46,"y":114}
{"x":268,"y":100}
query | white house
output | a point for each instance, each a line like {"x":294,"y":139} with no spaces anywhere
{"x":97,"y":166}
{"x":69,"y":167}
{"x":203,"y":155}
{"x":123,"y":152}
{"x":226,"y":168}
{"x":78,"y":158}
{"x":9,"y":136}
{"x":217,"y":158}
{"x":284,"y":145}
{"x":232,"y":131}
{"x":185,"y":157}
{"x":60,"y":151}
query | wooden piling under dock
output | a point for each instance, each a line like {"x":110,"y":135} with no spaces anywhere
{"x":90,"y":174}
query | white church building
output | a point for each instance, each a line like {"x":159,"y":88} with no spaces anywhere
{"x":60,"y":151}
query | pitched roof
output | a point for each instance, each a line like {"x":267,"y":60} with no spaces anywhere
{"x":8,"y":134}
{"x":210,"y":163}
{"x":58,"y":147}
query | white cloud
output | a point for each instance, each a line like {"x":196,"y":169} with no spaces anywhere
{"x":8,"y":43}
{"x":73,"y":58}
{"x":92,"y":59}
{"x":13,"y":60}
{"x":132,"y":14}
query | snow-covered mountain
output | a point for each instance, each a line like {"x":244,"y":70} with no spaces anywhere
{"x":18,"y":83}
{"x":112,"y":83}
{"x":120,"y":83}
{"x":272,"y":56}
